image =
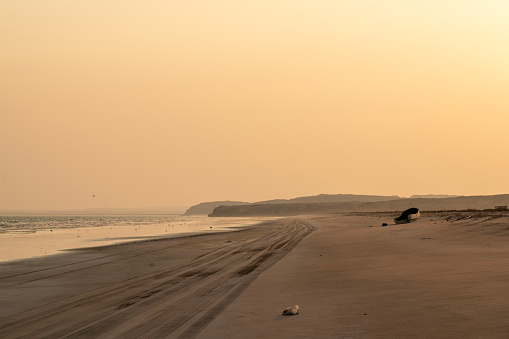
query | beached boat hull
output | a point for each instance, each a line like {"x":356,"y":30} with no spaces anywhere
{"x":411,"y":218}
{"x":406,"y":217}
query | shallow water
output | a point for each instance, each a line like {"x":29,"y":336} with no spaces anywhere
{"x":30,"y":224}
{"x":31,"y":236}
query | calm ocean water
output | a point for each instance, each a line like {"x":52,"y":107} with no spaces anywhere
{"x":31,"y":236}
{"x":31,"y":224}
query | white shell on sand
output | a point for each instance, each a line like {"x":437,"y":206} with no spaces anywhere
{"x":292,"y":310}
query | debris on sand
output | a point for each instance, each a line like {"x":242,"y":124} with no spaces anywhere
{"x":292,"y":310}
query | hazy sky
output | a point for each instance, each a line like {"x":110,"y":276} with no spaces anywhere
{"x":151,"y":103}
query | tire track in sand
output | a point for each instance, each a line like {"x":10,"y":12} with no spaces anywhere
{"x":178,"y":301}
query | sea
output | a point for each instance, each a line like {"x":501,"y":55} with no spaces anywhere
{"x":24,"y":237}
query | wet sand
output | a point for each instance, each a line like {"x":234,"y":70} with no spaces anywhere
{"x":153,"y":289}
{"x":351,"y":278}
{"x":59,"y":233}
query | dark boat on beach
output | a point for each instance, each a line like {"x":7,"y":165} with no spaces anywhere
{"x":409,"y":215}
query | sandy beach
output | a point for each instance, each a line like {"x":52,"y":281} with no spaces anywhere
{"x":351,"y":278}
{"x":195,"y":169}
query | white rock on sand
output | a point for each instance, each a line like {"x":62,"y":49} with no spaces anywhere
{"x":292,"y":310}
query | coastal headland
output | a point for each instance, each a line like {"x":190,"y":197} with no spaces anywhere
{"x":357,"y":204}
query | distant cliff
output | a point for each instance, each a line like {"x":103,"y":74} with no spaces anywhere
{"x":428,"y":196}
{"x":208,"y":207}
{"x":425,"y":204}
{"x":282,"y":209}
{"x":324,"y":198}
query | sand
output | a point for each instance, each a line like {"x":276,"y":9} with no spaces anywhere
{"x":350,"y":277}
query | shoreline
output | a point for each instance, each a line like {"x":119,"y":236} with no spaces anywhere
{"x":141,"y":280}
{"x":36,"y":240}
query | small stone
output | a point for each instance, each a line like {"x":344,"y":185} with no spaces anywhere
{"x":292,"y":310}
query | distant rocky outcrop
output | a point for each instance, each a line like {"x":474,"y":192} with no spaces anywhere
{"x":424,"y":204}
{"x":324,"y":198}
{"x":208,"y":207}
{"x":430,"y":196}
{"x":287,"y":209}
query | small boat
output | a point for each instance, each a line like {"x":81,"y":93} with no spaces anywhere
{"x":409,"y":215}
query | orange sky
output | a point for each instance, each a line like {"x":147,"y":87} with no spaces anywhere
{"x":177,"y":102}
